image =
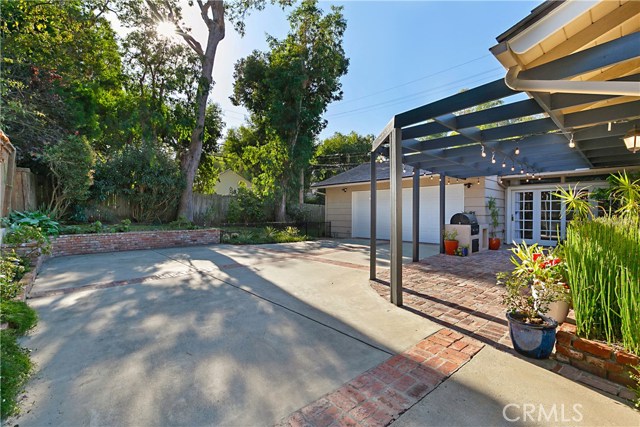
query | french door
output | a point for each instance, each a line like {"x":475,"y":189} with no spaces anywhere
{"x":537,"y":216}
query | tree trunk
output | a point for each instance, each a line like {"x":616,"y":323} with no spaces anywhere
{"x":191,"y":158}
{"x":281,"y":202}
{"x":301,"y":194}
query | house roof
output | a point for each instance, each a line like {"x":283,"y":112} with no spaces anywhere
{"x":362,"y":174}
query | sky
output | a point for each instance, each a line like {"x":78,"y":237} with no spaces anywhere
{"x":402,"y":54}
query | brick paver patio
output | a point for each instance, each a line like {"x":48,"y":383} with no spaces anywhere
{"x":457,"y":292}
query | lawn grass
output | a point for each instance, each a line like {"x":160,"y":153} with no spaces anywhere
{"x":15,"y":365}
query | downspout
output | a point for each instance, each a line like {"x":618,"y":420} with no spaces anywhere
{"x":569,"y":86}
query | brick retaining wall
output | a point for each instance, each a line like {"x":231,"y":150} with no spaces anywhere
{"x":594,"y":357}
{"x":78,"y":244}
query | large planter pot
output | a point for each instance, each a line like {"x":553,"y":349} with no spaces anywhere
{"x":494,"y":243}
{"x":450,"y":247}
{"x":534,"y":341}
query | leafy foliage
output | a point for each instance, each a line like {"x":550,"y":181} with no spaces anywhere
{"x":261,"y":236}
{"x":11,"y":270}
{"x":71,"y":163}
{"x":246,"y":207}
{"x":36,"y":219}
{"x":14,"y":360}
{"x":339,"y":153}
{"x":61,"y":67}
{"x":18,"y":315}
{"x":146,"y":175}
{"x":22,"y":233}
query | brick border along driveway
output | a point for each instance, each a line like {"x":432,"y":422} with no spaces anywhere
{"x":381,"y":394}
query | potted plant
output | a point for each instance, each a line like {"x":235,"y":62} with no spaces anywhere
{"x":450,"y":242}
{"x":494,"y":241}
{"x":544,"y":270}
{"x":464,"y":250}
{"x":532,"y":333}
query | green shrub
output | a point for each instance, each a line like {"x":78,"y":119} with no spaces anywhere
{"x":71,"y":163}
{"x":18,"y":315}
{"x":124,"y":226}
{"x":12,"y":269}
{"x":22,"y":233}
{"x":246,"y":207}
{"x":182,"y":223}
{"x":15,"y":368}
{"x":148,"y":177}
{"x":15,"y":365}
{"x":71,"y":229}
{"x":603,"y":271}
{"x":96,"y":227}
{"x":36,"y":219}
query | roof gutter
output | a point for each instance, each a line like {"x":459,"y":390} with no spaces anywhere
{"x":567,"y":86}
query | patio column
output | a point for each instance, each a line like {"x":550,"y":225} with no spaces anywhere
{"x":395,"y":160}
{"x":443,"y":185}
{"x":416,"y":214}
{"x":373,"y":216}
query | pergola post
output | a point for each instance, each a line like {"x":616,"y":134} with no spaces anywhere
{"x":416,"y":214}
{"x":443,"y":185}
{"x":395,"y":160}
{"x":372,"y":245}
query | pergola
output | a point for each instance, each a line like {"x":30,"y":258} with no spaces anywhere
{"x":572,"y":113}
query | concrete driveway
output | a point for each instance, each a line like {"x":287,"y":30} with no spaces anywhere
{"x":218,"y":335}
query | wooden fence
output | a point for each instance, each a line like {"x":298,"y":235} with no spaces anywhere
{"x":210,"y":209}
{"x":7,"y":173}
{"x":24,"y":191}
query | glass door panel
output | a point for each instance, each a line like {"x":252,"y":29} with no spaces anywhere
{"x":551,"y":227}
{"x":522,"y":220}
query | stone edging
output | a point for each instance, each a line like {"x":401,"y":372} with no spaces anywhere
{"x":380,"y":395}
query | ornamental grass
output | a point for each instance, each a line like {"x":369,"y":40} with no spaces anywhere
{"x":603,"y":268}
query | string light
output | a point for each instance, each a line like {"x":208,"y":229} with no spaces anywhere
{"x":478,"y":180}
{"x":513,"y":167}
{"x":493,"y":157}
{"x":609,"y":127}
{"x":572,"y":143}
{"x":516,"y":151}
{"x":483,"y":153}
{"x":521,"y":171}
{"x":504,"y":163}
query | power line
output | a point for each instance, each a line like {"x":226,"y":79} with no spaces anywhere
{"x":416,"y":80}
{"x":404,"y":99}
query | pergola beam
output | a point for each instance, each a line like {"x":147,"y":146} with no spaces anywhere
{"x":487,"y":92}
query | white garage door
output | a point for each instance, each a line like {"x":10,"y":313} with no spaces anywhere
{"x":429,"y":212}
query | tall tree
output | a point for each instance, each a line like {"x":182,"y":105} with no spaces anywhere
{"x":288,"y":89}
{"x":339,"y":153}
{"x":213,"y":14}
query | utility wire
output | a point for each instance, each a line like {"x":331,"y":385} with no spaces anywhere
{"x":415,"y":80}
{"x":404,"y":99}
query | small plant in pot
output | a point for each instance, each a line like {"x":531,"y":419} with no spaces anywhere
{"x":450,"y":242}
{"x":492,"y":207}
{"x":532,"y":333}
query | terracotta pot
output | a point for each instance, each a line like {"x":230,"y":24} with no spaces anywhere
{"x":450,"y":247}
{"x":494,"y":243}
